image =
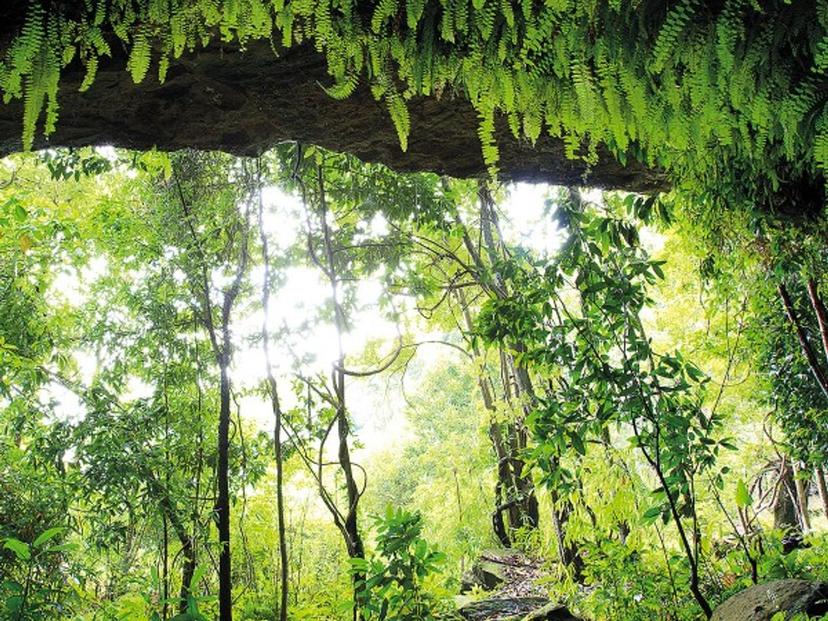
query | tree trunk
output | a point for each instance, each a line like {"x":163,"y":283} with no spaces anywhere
{"x":165,"y":567}
{"x":823,"y":490}
{"x":784,"y":508}
{"x":568,"y":554}
{"x":350,"y":526}
{"x":801,"y":487}
{"x":498,"y":525}
{"x":169,"y":513}
{"x":187,"y":572}
{"x":807,"y":349}
{"x":222,"y":506}
{"x":280,"y":516}
{"x":527,"y":513}
{"x":514,"y":492}
{"x":220,"y":340}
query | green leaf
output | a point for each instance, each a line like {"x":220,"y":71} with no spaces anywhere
{"x":651,"y":515}
{"x":743,"y":497}
{"x":46,"y":535}
{"x":63,"y":547}
{"x":198,"y":574}
{"x":577,"y":443}
{"x":13,"y":604}
{"x":21,"y":550}
{"x":421,"y":549}
{"x":20,"y":212}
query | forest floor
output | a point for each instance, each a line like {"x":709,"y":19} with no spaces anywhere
{"x":510,"y":582}
{"x":522,"y":575}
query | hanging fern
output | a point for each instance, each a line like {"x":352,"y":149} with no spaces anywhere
{"x":486,"y":133}
{"x":384,"y":10}
{"x":400,"y":117}
{"x":344,"y":88}
{"x":680,"y":86}
{"x":729,"y":32}
{"x":413,"y":12}
{"x":821,"y":140}
{"x":674,"y":26}
{"x":140,"y":56}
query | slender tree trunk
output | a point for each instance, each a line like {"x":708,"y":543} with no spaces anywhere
{"x":280,"y":499}
{"x":524,"y":504}
{"x":568,"y":554}
{"x":170,"y":516}
{"x":514,"y":492}
{"x":498,"y":525}
{"x":222,"y":506}
{"x":529,"y":515}
{"x":819,"y":474}
{"x":807,"y":349}
{"x":187,"y":572}
{"x":165,"y":566}
{"x":353,"y":538}
{"x":220,"y":340}
{"x":821,"y":314}
{"x":785,"y":509}
{"x":691,"y":549}
{"x":560,"y":535}
{"x":801,"y":487}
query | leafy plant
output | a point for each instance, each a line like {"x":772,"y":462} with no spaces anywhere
{"x":28,"y":593}
{"x":393,"y":586}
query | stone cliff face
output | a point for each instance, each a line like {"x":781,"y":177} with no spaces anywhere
{"x":244,"y":102}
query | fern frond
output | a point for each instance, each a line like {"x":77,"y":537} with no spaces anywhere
{"x":678,"y":18}
{"x":140,"y":56}
{"x":400,"y":117}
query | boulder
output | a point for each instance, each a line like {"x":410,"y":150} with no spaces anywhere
{"x":487,"y":573}
{"x":502,"y":609}
{"x":761,"y":602}
{"x":551,"y":612}
{"x":516,"y":609}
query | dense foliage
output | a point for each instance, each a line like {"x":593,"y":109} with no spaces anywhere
{"x":302,"y":387}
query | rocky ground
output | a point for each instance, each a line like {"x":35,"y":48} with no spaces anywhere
{"x":513,"y":589}
{"x":512,"y":581}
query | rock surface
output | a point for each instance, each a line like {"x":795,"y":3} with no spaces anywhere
{"x":508,"y":572}
{"x":551,"y":612}
{"x":516,"y":595}
{"x":761,"y":602}
{"x":502,"y":609}
{"x":515,"y":609}
{"x":244,"y":102}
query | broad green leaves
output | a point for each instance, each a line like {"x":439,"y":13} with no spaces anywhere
{"x":743,"y":496}
{"x":27,"y":594}
{"x":21,"y":550}
{"x":46,"y":536}
{"x":390,"y":585}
